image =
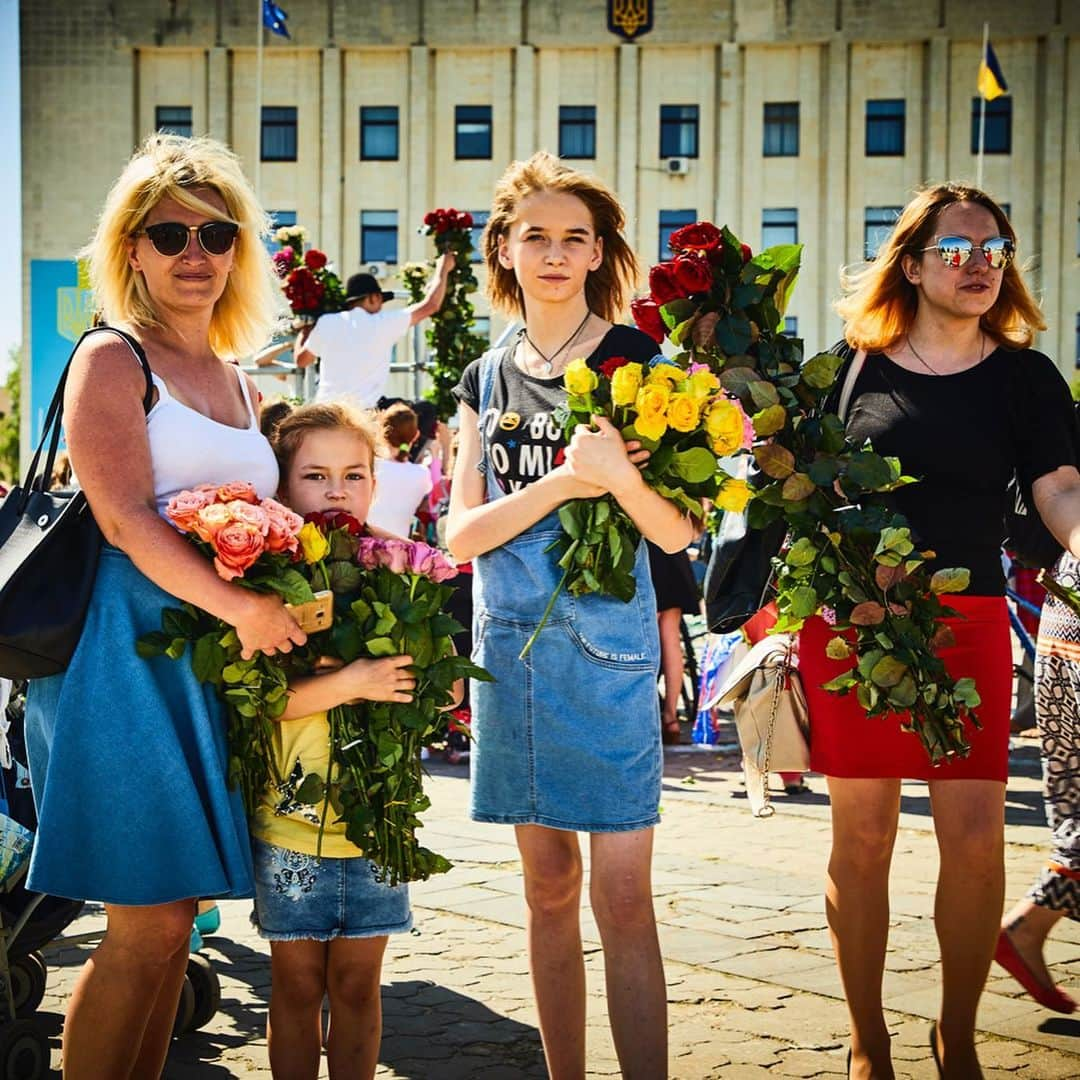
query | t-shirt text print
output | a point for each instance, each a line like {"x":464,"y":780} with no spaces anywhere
{"x":521,"y":448}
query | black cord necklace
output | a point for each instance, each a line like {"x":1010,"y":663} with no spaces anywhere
{"x":549,"y":361}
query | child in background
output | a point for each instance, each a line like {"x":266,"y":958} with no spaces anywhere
{"x":403,"y":484}
{"x":327,"y":919}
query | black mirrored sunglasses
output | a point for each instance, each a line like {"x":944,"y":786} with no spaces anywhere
{"x":172,"y":237}
{"x":956,"y":250}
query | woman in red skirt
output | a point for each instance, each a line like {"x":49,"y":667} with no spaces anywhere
{"x":950,"y":386}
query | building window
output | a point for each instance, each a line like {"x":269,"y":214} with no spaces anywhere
{"x":885,"y":127}
{"x":378,"y":236}
{"x":174,"y":119}
{"x":278,"y":218}
{"x":781,"y":129}
{"x":779,"y":226}
{"x":679,"y":131}
{"x":997,"y":138}
{"x":279,"y":133}
{"x":378,"y":133}
{"x":670,"y":220}
{"x":472,"y":131}
{"x":577,"y":131}
{"x":878,"y":222}
{"x":482,"y":326}
{"x":791,"y":326}
{"x":479,"y":220}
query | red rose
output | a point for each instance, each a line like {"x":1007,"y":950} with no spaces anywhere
{"x":701,"y":236}
{"x":693,"y":273}
{"x":429,"y":218}
{"x":663,"y":284}
{"x":314,"y":259}
{"x":612,"y":364}
{"x":648,"y":318}
{"x":466,"y":220}
{"x":746,"y":253}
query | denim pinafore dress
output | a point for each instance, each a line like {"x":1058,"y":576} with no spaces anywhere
{"x":569,"y":737}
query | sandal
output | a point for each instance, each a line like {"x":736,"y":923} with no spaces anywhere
{"x":1050,"y":997}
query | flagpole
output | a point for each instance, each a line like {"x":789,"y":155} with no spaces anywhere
{"x":258,"y":102}
{"x":982,"y":107}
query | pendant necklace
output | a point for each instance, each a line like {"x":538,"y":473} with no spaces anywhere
{"x":548,"y":362}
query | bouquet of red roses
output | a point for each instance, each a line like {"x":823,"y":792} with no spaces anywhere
{"x":311,"y":285}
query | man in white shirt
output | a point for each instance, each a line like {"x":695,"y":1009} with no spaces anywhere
{"x":354,"y":345}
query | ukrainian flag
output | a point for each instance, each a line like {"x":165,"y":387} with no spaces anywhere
{"x":991,"y":82}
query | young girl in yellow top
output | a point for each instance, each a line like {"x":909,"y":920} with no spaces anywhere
{"x":327,"y":918}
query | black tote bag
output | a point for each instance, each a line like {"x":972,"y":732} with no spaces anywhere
{"x":49,"y":546}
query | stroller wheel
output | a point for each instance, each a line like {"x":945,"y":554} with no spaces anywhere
{"x":185,"y":1009}
{"x":28,"y":974}
{"x":24,"y":1051}
{"x":207,"y":989}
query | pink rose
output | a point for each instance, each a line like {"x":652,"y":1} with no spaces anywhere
{"x":238,"y":546}
{"x":397,"y":555}
{"x":284,"y":528}
{"x":369,"y":553}
{"x":237,"y":489}
{"x":183,"y":509}
{"x":255,"y":516}
{"x":210,"y":520}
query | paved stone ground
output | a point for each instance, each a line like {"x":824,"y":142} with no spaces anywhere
{"x":752,"y":988}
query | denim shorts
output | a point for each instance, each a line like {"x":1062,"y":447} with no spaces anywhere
{"x":301,"y":897}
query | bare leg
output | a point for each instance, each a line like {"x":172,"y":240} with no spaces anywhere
{"x":294,"y":1023}
{"x":671,"y":663}
{"x":352,"y":981}
{"x":864,"y":818}
{"x":120,"y":1016}
{"x":620,"y":889}
{"x":969,"y":819}
{"x":551,"y":860}
{"x":1028,"y":926}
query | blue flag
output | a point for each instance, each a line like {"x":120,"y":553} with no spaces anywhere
{"x":274,"y":18}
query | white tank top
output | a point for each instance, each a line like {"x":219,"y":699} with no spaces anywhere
{"x":187,"y":448}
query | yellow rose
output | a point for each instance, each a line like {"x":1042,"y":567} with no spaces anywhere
{"x":579,"y":379}
{"x":682,"y":412}
{"x":313,"y":543}
{"x":625,"y":384}
{"x":665,"y":375}
{"x":733,"y":496}
{"x":651,"y":404}
{"x":702,"y":384}
{"x":724,"y":424}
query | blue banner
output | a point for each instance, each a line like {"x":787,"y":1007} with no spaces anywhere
{"x":61,"y":306}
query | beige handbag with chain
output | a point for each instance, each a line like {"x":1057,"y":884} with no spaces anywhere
{"x":771,"y":717}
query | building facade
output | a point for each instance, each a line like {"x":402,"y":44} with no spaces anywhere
{"x":807,"y":120}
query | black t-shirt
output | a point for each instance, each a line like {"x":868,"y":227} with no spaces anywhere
{"x":962,"y":436}
{"x":524,"y":441}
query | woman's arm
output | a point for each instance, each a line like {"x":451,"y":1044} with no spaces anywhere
{"x":110,"y":453}
{"x":475,"y":526}
{"x":1057,"y":498}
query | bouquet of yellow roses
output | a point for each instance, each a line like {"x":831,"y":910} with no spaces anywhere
{"x":685,"y":420}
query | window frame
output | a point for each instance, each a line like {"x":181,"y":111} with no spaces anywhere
{"x":374,"y":229}
{"x":586,"y":124}
{"x":459,"y":120}
{"x":884,"y":122}
{"x":880,"y":223}
{"x":679,"y":125}
{"x":282,"y":124}
{"x":372,"y":123}
{"x":793,"y":212}
{"x":998,"y":111}
{"x":782,"y":123}
{"x":171,"y":128}
{"x":665,"y":229}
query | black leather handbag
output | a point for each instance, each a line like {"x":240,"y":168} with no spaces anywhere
{"x":49,"y":546}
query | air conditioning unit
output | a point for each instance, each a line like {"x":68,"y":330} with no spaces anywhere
{"x":376,"y":270}
{"x":677,"y":166}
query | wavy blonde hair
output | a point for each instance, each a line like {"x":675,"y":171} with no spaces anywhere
{"x":609,"y":285}
{"x":170,"y":166}
{"x":879,"y":303}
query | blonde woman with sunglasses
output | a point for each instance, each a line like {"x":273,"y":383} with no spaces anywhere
{"x":951,"y":386}
{"x":127,"y":756}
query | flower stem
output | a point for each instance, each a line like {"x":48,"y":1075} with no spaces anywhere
{"x":547,"y":611}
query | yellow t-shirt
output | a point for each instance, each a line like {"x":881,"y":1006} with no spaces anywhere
{"x":301,"y":747}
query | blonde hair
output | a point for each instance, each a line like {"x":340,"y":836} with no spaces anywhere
{"x":399,"y":427}
{"x":288,"y":434}
{"x":171,"y":166}
{"x":609,"y":285}
{"x":879,"y":303}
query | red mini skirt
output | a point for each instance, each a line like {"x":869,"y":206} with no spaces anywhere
{"x":845,"y":742}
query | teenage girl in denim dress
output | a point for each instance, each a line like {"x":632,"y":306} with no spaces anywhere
{"x":567,"y":739}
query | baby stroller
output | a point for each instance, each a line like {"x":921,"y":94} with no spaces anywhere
{"x":28,"y":921}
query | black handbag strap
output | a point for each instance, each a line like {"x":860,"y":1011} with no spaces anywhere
{"x":54,"y":417}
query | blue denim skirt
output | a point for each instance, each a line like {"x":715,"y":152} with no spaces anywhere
{"x":128,"y":764}
{"x":301,"y":897}
{"x":569,"y":737}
